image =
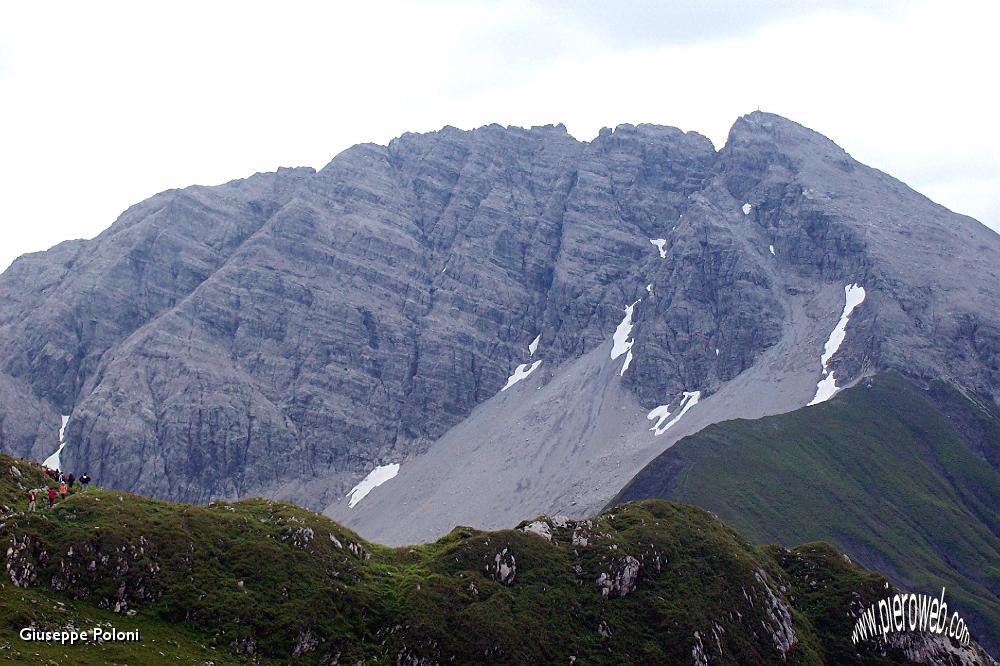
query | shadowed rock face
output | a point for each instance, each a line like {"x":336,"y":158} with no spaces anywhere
{"x":285,"y":333}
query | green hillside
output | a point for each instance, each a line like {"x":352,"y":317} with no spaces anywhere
{"x":265,"y":582}
{"x":898,"y":477}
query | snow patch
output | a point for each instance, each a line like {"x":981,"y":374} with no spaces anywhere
{"x":533,"y":347}
{"x":826,"y":388}
{"x":375,"y":478}
{"x":854,"y":295}
{"x":662,"y":413}
{"x":716,"y":351}
{"x":622,"y":342}
{"x":53,"y":462}
{"x":628,"y":362}
{"x":659,"y":243}
{"x":747,"y":208}
{"x":771,"y":248}
{"x":520,"y":373}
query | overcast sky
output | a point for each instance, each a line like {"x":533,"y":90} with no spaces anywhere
{"x":105,"y":104}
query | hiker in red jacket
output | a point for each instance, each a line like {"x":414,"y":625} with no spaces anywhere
{"x":31,"y":500}
{"x":52,"y":497}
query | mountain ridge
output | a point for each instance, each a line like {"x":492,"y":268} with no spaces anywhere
{"x":903,"y":478}
{"x":338,"y":319}
{"x":264,"y":582}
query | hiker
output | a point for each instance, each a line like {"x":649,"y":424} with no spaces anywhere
{"x":70,"y":480}
{"x":84,"y":481}
{"x":31,"y":499}
{"x":63,"y":490}
{"x":52,"y":497}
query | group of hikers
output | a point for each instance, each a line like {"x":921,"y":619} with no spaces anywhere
{"x":65,"y":481}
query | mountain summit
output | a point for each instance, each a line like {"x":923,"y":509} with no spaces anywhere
{"x":511,"y":320}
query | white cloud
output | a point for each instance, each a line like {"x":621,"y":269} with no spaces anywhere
{"x":105,"y":104}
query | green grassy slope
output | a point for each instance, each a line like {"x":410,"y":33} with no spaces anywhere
{"x":895,"y":476}
{"x":265,"y":582}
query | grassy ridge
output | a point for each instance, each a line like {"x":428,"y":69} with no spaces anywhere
{"x":265,"y":582}
{"x":883,"y":471}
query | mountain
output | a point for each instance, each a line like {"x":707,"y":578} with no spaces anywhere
{"x":903,"y":478}
{"x":287,"y":334}
{"x":262,"y":582}
{"x":471,"y":327}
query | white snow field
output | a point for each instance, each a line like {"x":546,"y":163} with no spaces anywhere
{"x":375,"y":478}
{"x":826,"y":388}
{"x":621,"y":343}
{"x":533,"y":347}
{"x":520,"y":372}
{"x":662,"y":413}
{"x":53,"y":461}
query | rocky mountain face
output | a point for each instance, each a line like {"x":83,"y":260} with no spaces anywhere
{"x":285,"y":334}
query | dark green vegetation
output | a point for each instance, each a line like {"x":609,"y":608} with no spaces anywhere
{"x":902,"y":479}
{"x":649,"y":583}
